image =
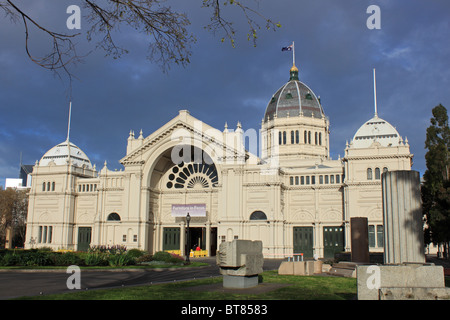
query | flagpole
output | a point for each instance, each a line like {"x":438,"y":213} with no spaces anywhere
{"x":293,"y":53}
{"x":375,"y":92}
{"x":68,"y":124}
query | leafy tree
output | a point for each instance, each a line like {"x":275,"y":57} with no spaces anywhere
{"x":436,"y":186}
{"x":164,"y":28}
{"x":13,"y":213}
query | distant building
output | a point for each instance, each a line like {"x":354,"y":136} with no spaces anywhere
{"x":25,"y":174}
{"x":13,"y":183}
{"x":293,"y":197}
{"x":24,"y":180}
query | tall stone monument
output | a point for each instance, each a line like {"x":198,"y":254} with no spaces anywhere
{"x":360,"y":239}
{"x":405,"y":275}
{"x":402,"y":217}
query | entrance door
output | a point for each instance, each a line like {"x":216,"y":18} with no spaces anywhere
{"x":197,"y":238}
{"x":171,"y":239}
{"x":84,"y":238}
{"x":213,"y":241}
{"x":303,"y":241}
{"x":333,"y":241}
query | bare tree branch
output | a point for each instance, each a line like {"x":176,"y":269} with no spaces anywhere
{"x":165,"y":30}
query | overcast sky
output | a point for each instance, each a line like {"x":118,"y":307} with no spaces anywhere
{"x":335,"y":54}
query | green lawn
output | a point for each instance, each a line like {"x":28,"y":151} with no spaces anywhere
{"x":296,"y":288}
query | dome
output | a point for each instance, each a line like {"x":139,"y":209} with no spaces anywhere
{"x":59,"y":155}
{"x":293,"y":99}
{"x":376,"y":130}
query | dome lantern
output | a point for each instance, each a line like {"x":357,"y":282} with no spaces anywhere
{"x":293,"y":73}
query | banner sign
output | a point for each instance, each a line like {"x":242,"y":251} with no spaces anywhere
{"x":194,"y":210}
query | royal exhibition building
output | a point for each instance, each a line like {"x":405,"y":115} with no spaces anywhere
{"x":292,"y":196}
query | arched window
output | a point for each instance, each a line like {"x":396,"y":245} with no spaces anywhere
{"x":113,"y":217}
{"x":48,"y":186}
{"x":53,"y":186}
{"x":43,"y":186}
{"x":309,"y":137}
{"x":316,"y":140}
{"x":279,"y":138}
{"x":297,"y":137}
{"x":305,"y":138}
{"x":284,"y":137}
{"x":292,"y":137}
{"x":377,"y":174}
{"x":385,"y":169}
{"x":258,"y":215}
{"x":369,"y":173}
{"x":320,"y":138}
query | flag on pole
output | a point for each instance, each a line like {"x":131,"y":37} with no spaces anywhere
{"x":288,"y":48}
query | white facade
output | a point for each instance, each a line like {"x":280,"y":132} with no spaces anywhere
{"x":294,"y":197}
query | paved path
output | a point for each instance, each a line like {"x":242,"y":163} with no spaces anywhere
{"x":19,"y":283}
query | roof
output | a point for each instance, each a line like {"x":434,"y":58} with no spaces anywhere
{"x":376,"y":130}
{"x":293,"y":99}
{"x":59,"y":155}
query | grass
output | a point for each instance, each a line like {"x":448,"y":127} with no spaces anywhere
{"x":297,"y":288}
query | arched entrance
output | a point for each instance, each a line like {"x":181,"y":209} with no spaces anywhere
{"x":181,"y":181}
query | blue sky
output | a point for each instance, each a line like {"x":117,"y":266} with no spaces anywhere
{"x":335,"y":54}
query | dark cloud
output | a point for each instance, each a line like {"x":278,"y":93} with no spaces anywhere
{"x":335,"y":53}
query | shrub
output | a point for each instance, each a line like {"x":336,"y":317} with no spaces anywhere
{"x":9,"y":259}
{"x":145,"y":258}
{"x":35,"y":257}
{"x":120,"y":260}
{"x":108,"y":249}
{"x":95,"y":259}
{"x":67,"y":259}
{"x":167,"y":257}
{"x":135,"y":253}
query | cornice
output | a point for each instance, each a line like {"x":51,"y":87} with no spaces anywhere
{"x":377,"y":157}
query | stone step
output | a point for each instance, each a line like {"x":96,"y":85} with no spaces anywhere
{"x":343,"y":269}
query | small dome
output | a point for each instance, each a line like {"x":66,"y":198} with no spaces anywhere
{"x":293,"y":99}
{"x":59,"y":155}
{"x":376,"y":130}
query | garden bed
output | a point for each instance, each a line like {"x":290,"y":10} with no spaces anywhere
{"x":99,"y":256}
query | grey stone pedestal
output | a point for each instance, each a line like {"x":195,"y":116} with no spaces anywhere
{"x":239,"y":282}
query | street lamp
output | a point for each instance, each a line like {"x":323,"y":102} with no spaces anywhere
{"x":188,"y":219}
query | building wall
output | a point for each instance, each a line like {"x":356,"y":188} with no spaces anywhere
{"x":300,"y":193}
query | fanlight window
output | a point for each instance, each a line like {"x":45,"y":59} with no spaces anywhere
{"x":113,"y":217}
{"x":192,"y":175}
{"x":258,"y":215}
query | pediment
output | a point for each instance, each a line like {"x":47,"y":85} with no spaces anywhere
{"x":187,"y":130}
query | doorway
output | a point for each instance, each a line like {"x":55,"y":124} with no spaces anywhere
{"x":333,"y":241}
{"x":84,"y":238}
{"x":303,"y":241}
{"x":197,"y":238}
{"x":171,"y":239}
